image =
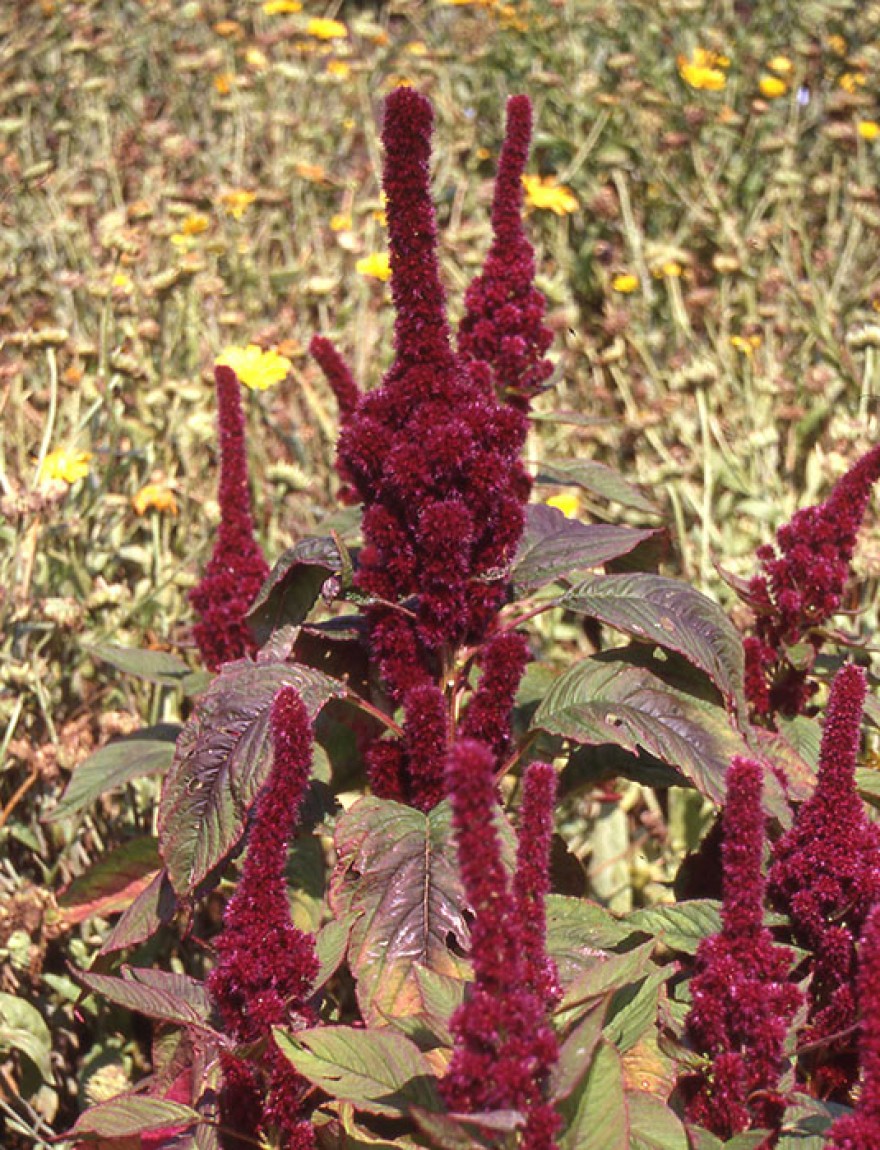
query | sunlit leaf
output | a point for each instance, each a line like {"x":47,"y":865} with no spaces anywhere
{"x":598,"y":479}
{"x":681,"y":926}
{"x":293,"y":585}
{"x":221,"y":761}
{"x":595,"y":1114}
{"x":154,"y":907}
{"x":377,"y":1071}
{"x":132,"y":1114}
{"x":154,"y":666}
{"x":396,"y":872}
{"x":24,"y":1029}
{"x":113,"y":881}
{"x":159,"y":994}
{"x":652,"y":1125}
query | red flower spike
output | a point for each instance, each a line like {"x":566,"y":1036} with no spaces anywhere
{"x":505,"y":1047}
{"x":800,"y":586}
{"x":861,"y":1129}
{"x":825,"y":875}
{"x":742,"y":1001}
{"x":487,"y":717}
{"x":337,"y":373}
{"x":265,"y":965}
{"x":531,"y":883}
{"x":237,"y":567}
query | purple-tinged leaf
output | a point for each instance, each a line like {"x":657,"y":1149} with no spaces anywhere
{"x":396,"y":872}
{"x":153,"y":908}
{"x":671,"y":614}
{"x":161,"y":995}
{"x":577,"y":1050}
{"x":467,"y":1131}
{"x":596,"y":478}
{"x":652,"y":1125}
{"x":554,"y":547}
{"x":609,"y":973}
{"x":379,"y":1072}
{"x":112,"y":882}
{"x":293,"y":585}
{"x":128,"y":1114}
{"x":598,"y":701}
{"x":221,"y":761}
{"x":146,"y":752}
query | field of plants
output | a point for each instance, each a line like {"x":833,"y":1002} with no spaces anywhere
{"x":438,"y":575}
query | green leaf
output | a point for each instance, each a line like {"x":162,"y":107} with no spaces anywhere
{"x":154,"y":907}
{"x":595,"y":1114}
{"x":159,"y":994}
{"x":331,"y":945}
{"x":668,"y":612}
{"x":222,"y":759}
{"x":467,"y":1131}
{"x":597,"y":701}
{"x":129,"y":1114}
{"x":146,"y":752}
{"x":113,"y":881}
{"x":396,"y":873}
{"x":652,"y":1125}
{"x":376,"y":1071}
{"x":578,"y":933}
{"x":608,"y":974}
{"x":596,"y":478}
{"x":577,"y":1050}
{"x":293,"y":585}
{"x":555,"y":547}
{"x":23,"y":1028}
{"x":154,"y":666}
{"x":806,"y":1121}
{"x":681,"y":926}
{"x":634,"y":1009}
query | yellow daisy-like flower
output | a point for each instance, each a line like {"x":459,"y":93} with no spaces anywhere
{"x":626,"y":283}
{"x":255,"y":368}
{"x":781,"y":65}
{"x":326,"y":29}
{"x":223,"y":82}
{"x":546,"y":195}
{"x":339,"y":69}
{"x":155,"y":497}
{"x":237,"y":201}
{"x":703,"y":70}
{"x":568,"y":502}
{"x":341,"y":222}
{"x":195,"y":223}
{"x":377,"y":266}
{"x":67,"y":465}
{"x":852,"y":81}
{"x":771,"y":87}
{"x":122,"y":283}
{"x":747,"y":345}
{"x":281,"y":7}
{"x":671,"y":269}
{"x":868,"y":129}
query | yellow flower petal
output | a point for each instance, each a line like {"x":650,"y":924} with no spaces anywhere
{"x":237,"y":201}
{"x":326,"y":29}
{"x":703,"y":70}
{"x":255,"y":368}
{"x":868,"y":129}
{"x":626,"y":283}
{"x":67,"y":465}
{"x":546,"y":195}
{"x":772,"y":87}
{"x":377,"y":266}
{"x":781,"y":65}
{"x":156,"y":497}
{"x":281,"y":7}
{"x":568,"y":502}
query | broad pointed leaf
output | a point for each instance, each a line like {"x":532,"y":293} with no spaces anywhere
{"x":154,"y":666}
{"x":128,"y":1114}
{"x":609,"y":974}
{"x":221,"y":761}
{"x":24,"y":1029}
{"x":681,"y":926}
{"x":578,"y":1048}
{"x":376,"y":1071}
{"x":159,"y":994}
{"x":597,"y":701}
{"x":293,"y":585}
{"x":467,"y":1131}
{"x":154,"y":907}
{"x":556,"y":547}
{"x":671,"y":614}
{"x":396,"y":871}
{"x":596,"y":478}
{"x":595,"y":1114}
{"x":112,"y":882}
{"x":652,"y":1125}
{"x":146,"y":752}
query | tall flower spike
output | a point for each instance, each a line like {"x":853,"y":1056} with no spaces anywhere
{"x":504,"y":1044}
{"x":825,"y":875}
{"x":531,"y":883}
{"x":742,"y":1001}
{"x":488,"y":713}
{"x":503,"y":321}
{"x":237,"y":567}
{"x":337,"y":373}
{"x":800,"y":586}
{"x":265,"y":965}
{"x":861,"y":1129}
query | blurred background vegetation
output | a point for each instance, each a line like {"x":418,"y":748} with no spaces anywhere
{"x":178,"y":177}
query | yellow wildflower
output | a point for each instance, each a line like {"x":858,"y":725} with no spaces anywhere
{"x":625,"y":283}
{"x":341,"y":222}
{"x":281,"y":7}
{"x":546,"y":195}
{"x":65,"y":464}
{"x":122,"y":283}
{"x":416,"y":48}
{"x":747,"y":345}
{"x":257,"y":59}
{"x":852,"y":81}
{"x":868,"y":129}
{"x":377,"y":266}
{"x":837,"y":44}
{"x":223,"y":82}
{"x":195,"y":223}
{"x":781,"y":65}
{"x":568,"y":502}
{"x":155,"y":496}
{"x":340,"y":69}
{"x":671,"y":269}
{"x":237,"y":201}
{"x":326,"y":29}
{"x":255,"y":368}
{"x":703,"y":70}
{"x":771,"y":86}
